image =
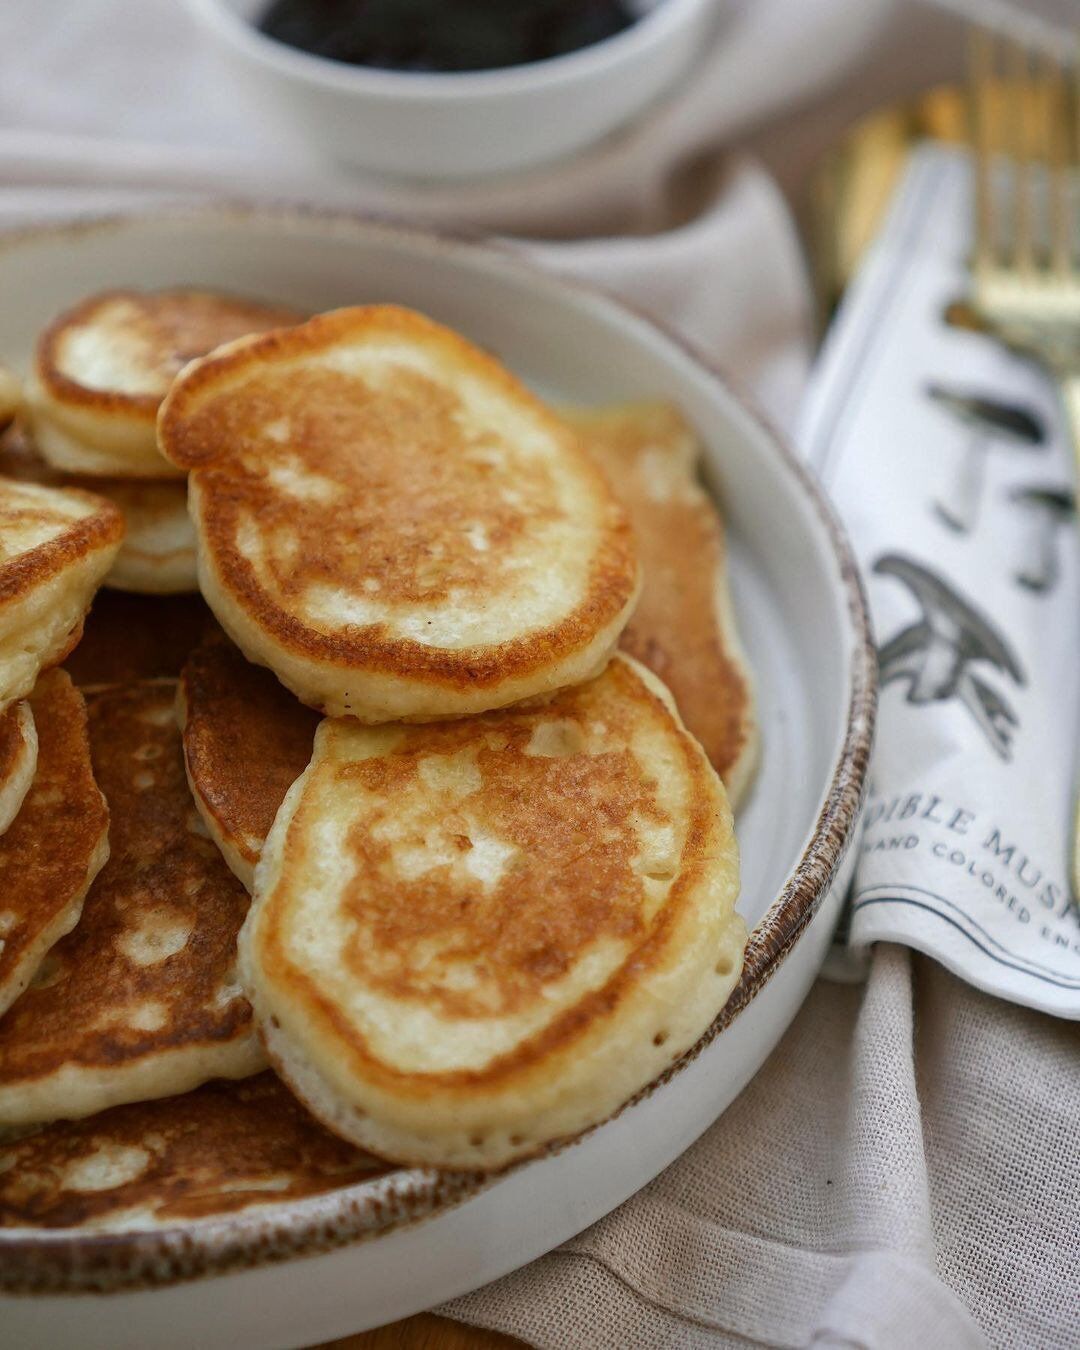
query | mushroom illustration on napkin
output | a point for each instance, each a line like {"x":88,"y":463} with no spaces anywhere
{"x":1047,"y":510}
{"x":936,"y":654}
{"x":991,"y":423}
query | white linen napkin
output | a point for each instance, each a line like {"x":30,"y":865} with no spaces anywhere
{"x":949,"y":462}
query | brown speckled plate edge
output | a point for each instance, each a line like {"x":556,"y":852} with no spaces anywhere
{"x":66,"y":1261}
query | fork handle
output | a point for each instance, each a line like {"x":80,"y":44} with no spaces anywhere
{"x":1070,"y":395}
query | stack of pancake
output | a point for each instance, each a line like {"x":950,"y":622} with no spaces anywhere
{"x":420,"y":804}
{"x":100,"y":372}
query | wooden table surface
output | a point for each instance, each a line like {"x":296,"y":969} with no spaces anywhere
{"x":425,"y":1332}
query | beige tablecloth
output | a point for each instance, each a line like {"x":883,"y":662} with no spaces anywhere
{"x":904,"y":1171}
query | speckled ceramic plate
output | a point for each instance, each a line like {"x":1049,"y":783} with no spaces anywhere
{"x":284,"y":1272}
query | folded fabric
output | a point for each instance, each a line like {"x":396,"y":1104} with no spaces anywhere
{"x":892,"y":1178}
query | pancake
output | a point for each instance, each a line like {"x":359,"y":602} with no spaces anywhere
{"x":140,"y":1000}
{"x":246,"y":741}
{"x":684,"y":626}
{"x":222,"y":1148}
{"x":471,"y":939}
{"x":137,"y":637}
{"x":56,"y":845}
{"x":157,"y":554}
{"x":392,"y":523}
{"x":102,"y":368}
{"x":18,"y":759}
{"x":55,"y":547}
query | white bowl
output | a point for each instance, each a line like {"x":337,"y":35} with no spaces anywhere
{"x":277,"y":1274}
{"x":467,"y":124}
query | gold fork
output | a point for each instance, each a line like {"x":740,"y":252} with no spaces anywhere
{"x":1025,"y":270}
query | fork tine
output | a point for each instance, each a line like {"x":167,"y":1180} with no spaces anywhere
{"x":1071,"y":66}
{"x":1057,"y":137}
{"x":980,"y":78}
{"x":1021,"y":97}
{"x":1071,"y":138}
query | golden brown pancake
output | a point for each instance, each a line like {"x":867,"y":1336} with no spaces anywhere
{"x":470,"y":939}
{"x":157,"y":554}
{"x":137,"y":637}
{"x":223,"y":1147}
{"x":56,"y":845}
{"x":140,"y":1000}
{"x":684,"y":626}
{"x":102,"y":369}
{"x":18,"y":759}
{"x":246,"y":741}
{"x":55,"y":547}
{"x":392,"y":523}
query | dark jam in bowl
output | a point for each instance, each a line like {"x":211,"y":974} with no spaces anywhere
{"x":443,"y":35}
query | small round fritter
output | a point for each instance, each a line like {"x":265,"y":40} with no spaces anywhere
{"x":392,"y":523}
{"x":684,"y":627}
{"x":471,"y":939}
{"x":58,"y":842}
{"x":246,"y":741}
{"x":102,"y":369}
{"x":18,"y":759}
{"x":222,"y":1148}
{"x":157,"y":555}
{"x":56,"y":545}
{"x":140,"y":1000}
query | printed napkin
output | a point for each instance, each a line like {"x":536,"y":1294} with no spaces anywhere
{"x":950,"y":464}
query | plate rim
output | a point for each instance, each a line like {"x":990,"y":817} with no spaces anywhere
{"x":69,"y":1261}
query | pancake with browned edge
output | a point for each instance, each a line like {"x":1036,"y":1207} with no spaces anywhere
{"x":684,"y":626}
{"x":393,"y":523}
{"x":471,"y":939}
{"x":18,"y":759}
{"x":56,"y":545}
{"x":55,"y":846}
{"x":141,"y":999}
{"x":246,"y":741}
{"x":222,"y":1148}
{"x":157,"y":554}
{"x":102,"y":368}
